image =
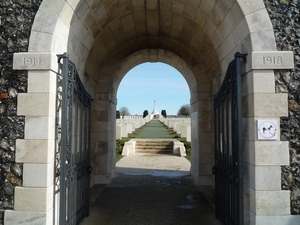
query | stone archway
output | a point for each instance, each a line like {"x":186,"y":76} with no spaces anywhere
{"x":105,"y":39}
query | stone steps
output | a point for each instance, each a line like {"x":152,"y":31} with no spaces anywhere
{"x":154,"y":147}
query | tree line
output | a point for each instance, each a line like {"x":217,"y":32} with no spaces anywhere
{"x":184,"y":110}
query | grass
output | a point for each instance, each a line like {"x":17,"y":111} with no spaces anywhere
{"x":135,"y":133}
{"x":118,"y":157}
{"x":187,"y":144}
{"x":120,"y":142}
{"x":154,"y":129}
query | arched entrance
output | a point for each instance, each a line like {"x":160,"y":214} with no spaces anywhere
{"x":105,"y":39}
{"x":135,"y":59}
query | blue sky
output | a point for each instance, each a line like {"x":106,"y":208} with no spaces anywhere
{"x":153,"y":81}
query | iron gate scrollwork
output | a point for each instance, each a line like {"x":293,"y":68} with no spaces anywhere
{"x":72,"y":155}
{"x":228,"y":169}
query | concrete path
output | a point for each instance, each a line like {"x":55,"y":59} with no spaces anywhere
{"x":149,"y":164}
{"x":150,"y":190}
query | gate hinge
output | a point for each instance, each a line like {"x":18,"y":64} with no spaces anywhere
{"x":240,"y":55}
{"x":214,"y":170}
{"x":89,"y":169}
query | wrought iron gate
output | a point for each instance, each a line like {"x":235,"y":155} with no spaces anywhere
{"x":228,"y":169}
{"x":72,"y":156}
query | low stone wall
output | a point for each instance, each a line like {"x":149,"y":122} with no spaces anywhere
{"x":129,"y":147}
{"x":178,"y":148}
{"x":132,"y":117}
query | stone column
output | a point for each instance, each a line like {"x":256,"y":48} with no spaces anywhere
{"x":202,"y":139}
{"x":104,"y":137}
{"x":34,"y":200}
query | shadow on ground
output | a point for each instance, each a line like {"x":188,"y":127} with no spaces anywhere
{"x":151,"y":200}
{"x":151,"y":190}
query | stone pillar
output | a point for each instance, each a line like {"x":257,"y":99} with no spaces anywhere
{"x":202,"y":139}
{"x":34,"y":200}
{"x":264,"y":200}
{"x":104,"y":138}
{"x":263,"y":158}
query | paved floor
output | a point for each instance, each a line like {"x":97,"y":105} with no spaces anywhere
{"x":149,"y":164}
{"x":151,"y":190}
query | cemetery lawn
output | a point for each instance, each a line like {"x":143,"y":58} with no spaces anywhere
{"x":152,"y":129}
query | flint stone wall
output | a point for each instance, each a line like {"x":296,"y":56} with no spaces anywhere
{"x":285,"y":17}
{"x":16,"y":19}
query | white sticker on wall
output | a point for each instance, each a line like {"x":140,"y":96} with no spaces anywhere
{"x":267,"y":129}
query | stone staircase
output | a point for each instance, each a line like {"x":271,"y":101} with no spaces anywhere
{"x":148,"y":146}
{"x":153,"y":146}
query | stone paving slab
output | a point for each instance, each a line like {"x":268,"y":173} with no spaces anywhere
{"x":147,"y":164}
{"x":151,"y":200}
{"x":151,"y":190}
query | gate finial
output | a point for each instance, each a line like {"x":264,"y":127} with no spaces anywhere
{"x":60,"y":56}
{"x":240,"y":55}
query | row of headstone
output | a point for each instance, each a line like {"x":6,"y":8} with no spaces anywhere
{"x":127,"y":126}
{"x":182,"y":126}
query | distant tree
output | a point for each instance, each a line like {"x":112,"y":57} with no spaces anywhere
{"x":185,"y":110}
{"x":124,"y":111}
{"x":164,"y":113}
{"x":118,"y":115}
{"x":145,"y":113}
